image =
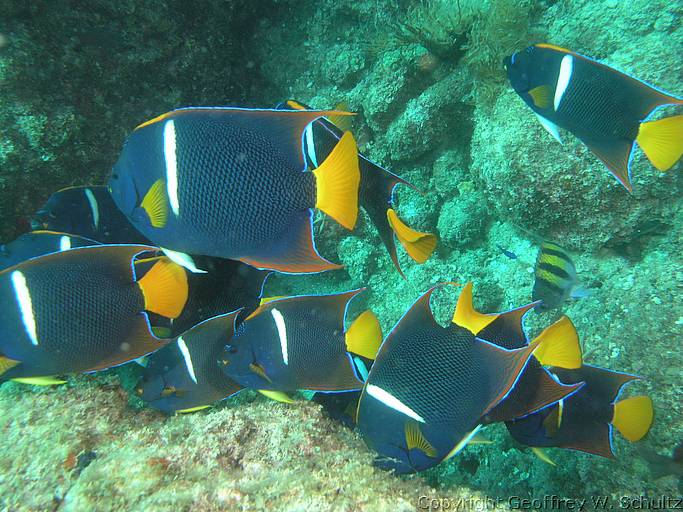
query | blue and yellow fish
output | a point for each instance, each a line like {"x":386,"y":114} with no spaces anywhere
{"x":431,"y":387}
{"x":233,"y":183}
{"x":83,"y":310}
{"x":301,"y":342}
{"x":607,"y":110}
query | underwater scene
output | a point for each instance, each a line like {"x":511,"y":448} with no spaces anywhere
{"x":341,"y":255}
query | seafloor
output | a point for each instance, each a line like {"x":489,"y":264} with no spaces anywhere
{"x":434,"y":106}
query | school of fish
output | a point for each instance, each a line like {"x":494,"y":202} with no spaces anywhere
{"x":165,"y":266}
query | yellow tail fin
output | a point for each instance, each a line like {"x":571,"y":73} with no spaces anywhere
{"x":633,"y":417}
{"x":278,"y":396}
{"x":156,"y":204}
{"x":364,"y":336}
{"x":662,"y":141}
{"x":337,"y":183}
{"x":165,"y":288}
{"x":418,"y":245}
{"x":466,"y":316}
{"x":562,"y":348}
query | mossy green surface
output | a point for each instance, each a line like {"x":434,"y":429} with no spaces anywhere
{"x":433,"y":106}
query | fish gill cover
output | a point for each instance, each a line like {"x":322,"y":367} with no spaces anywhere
{"x":435,"y":107}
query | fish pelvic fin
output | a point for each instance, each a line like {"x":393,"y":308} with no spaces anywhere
{"x":418,"y":245}
{"x":40,"y":381}
{"x":7,"y":364}
{"x":364,"y":336}
{"x":633,"y":417}
{"x":541,"y":454}
{"x":662,"y":141}
{"x":338,"y":181}
{"x":155,"y":204}
{"x":563,"y":349}
{"x":278,"y":396}
{"x":165,"y":288}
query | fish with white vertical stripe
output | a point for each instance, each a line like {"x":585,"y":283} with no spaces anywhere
{"x":609,"y":111}
{"x":83,"y":310}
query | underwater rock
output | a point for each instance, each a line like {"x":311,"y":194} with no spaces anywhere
{"x":462,"y":221}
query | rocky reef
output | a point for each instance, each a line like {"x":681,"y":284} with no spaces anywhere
{"x":434,"y":106}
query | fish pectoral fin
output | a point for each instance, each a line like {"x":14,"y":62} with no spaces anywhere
{"x":294,"y":251}
{"x":338,"y":181}
{"x":155,"y":204}
{"x":542,"y":96}
{"x":633,"y":417}
{"x":40,"y":381}
{"x":616,"y":155}
{"x":480,"y":439}
{"x":278,"y":396}
{"x":466,"y":316}
{"x":550,"y":127}
{"x":7,"y":364}
{"x":559,"y":345}
{"x":165,"y":288}
{"x":265,"y":300}
{"x":364,"y":336}
{"x":662,"y":141}
{"x":541,"y":454}
{"x":417,"y":244}
{"x":343,"y":120}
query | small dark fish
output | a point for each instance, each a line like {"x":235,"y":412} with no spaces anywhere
{"x":184,"y":375}
{"x":88,"y":212}
{"x":82,"y":310}
{"x":233,"y":183}
{"x":661,"y":465}
{"x":606,"y":109}
{"x":377,"y":187}
{"x":38,"y":243}
{"x":584,"y":420}
{"x":227,"y":285}
{"x":507,"y":253}
{"x":429,"y":388}
{"x":556,"y":279}
{"x":300,"y":342}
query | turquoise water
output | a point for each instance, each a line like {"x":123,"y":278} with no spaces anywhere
{"x":434,"y":106}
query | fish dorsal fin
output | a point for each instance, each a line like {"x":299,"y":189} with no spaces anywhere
{"x":415,"y":439}
{"x":564,"y":350}
{"x":466,"y":316}
{"x":418,"y":316}
{"x":417,"y":244}
{"x":364,"y":337}
{"x":633,"y":417}
{"x":507,"y":329}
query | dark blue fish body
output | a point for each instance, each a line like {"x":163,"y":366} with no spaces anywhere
{"x":584,"y":421}
{"x":184,"y":375}
{"x":81,"y":310}
{"x":606,"y":109}
{"x":229,"y":183}
{"x":39,"y":243}
{"x":295,"y":343}
{"x":87,"y":212}
{"x":429,"y":387}
{"x":507,"y":253}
